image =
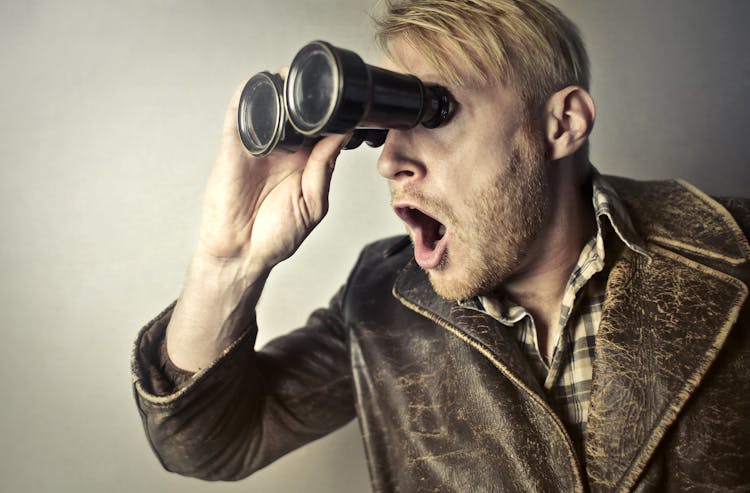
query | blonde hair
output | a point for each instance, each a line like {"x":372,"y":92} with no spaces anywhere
{"x":527,"y":44}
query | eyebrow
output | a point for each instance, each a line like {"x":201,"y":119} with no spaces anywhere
{"x":433,"y":78}
{"x":427,"y":78}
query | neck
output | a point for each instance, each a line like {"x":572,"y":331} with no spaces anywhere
{"x":539,"y":284}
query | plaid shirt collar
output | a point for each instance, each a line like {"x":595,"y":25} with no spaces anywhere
{"x":607,"y":204}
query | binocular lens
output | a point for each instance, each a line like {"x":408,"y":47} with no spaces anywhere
{"x":314,"y":89}
{"x":261,"y":113}
{"x":262,"y":118}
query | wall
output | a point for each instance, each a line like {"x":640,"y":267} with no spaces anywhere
{"x":110,"y":114}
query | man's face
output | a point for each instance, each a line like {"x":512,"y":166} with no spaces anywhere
{"x":473,"y":192}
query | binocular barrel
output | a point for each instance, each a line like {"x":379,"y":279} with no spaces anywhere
{"x":330,"y":90}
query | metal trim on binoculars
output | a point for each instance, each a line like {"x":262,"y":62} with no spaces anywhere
{"x":261,"y":114}
{"x":330,"y":90}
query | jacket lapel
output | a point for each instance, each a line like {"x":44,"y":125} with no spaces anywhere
{"x":481,"y":331}
{"x":664,"y":321}
{"x":490,"y":338}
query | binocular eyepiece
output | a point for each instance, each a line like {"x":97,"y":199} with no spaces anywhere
{"x":330,"y":90}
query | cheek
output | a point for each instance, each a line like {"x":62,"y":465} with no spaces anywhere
{"x":463,"y":158}
{"x":437,"y":144}
{"x":478,"y":165}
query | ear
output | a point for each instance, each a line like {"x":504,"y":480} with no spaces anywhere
{"x":570,"y":115}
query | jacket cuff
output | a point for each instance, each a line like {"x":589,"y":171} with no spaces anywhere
{"x":174,"y":373}
{"x":155,"y":377}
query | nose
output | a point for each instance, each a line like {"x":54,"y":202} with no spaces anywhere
{"x":396,"y":161}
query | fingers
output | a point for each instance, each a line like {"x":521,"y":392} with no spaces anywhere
{"x":230,"y":139}
{"x":283,"y":71}
{"x":316,"y":177}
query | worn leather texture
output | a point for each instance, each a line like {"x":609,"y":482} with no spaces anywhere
{"x":445,"y":400}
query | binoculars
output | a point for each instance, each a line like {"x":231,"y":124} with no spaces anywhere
{"x":330,"y":90}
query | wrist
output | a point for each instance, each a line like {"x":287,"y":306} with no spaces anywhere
{"x":216,"y":307}
{"x":223,"y":273}
{"x":230,"y":286}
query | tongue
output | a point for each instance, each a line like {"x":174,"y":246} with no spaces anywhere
{"x":427,"y":252}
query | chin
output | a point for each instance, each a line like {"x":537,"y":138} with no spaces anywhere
{"x":479,"y":277}
{"x":454,"y":286}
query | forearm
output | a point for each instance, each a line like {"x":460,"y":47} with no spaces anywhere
{"x":215,"y":308}
{"x":201,"y":427}
{"x":246,"y":409}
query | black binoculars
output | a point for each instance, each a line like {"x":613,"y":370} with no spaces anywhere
{"x":330,"y":90}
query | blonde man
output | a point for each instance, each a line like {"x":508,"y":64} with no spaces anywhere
{"x":543,"y":328}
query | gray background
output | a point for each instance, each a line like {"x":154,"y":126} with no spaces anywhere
{"x":110,"y":114}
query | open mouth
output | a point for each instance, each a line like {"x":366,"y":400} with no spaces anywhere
{"x":428,"y":235}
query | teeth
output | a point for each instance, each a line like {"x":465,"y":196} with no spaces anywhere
{"x":440,"y":234}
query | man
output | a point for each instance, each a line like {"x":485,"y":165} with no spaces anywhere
{"x":544,"y":329}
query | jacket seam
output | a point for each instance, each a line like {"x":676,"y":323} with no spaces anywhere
{"x":703,"y":252}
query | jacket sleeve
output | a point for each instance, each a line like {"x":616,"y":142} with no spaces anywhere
{"x":248,"y":408}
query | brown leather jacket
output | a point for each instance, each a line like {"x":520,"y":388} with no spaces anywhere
{"x":445,"y":399}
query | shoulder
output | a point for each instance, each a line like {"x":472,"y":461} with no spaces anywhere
{"x":382,"y":258}
{"x":739,"y":207}
{"x":386,"y":254}
{"x":677,"y":215}
{"x":371,"y":281}
{"x":386,"y":248}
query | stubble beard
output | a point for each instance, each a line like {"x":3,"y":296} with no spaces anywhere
{"x":496,"y":226}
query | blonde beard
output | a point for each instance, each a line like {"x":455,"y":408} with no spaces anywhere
{"x":500,"y":224}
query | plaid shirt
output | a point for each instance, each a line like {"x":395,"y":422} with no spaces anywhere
{"x":567,"y":379}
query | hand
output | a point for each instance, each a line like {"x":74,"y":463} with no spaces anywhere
{"x":258,"y":210}
{"x":256,"y":213}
